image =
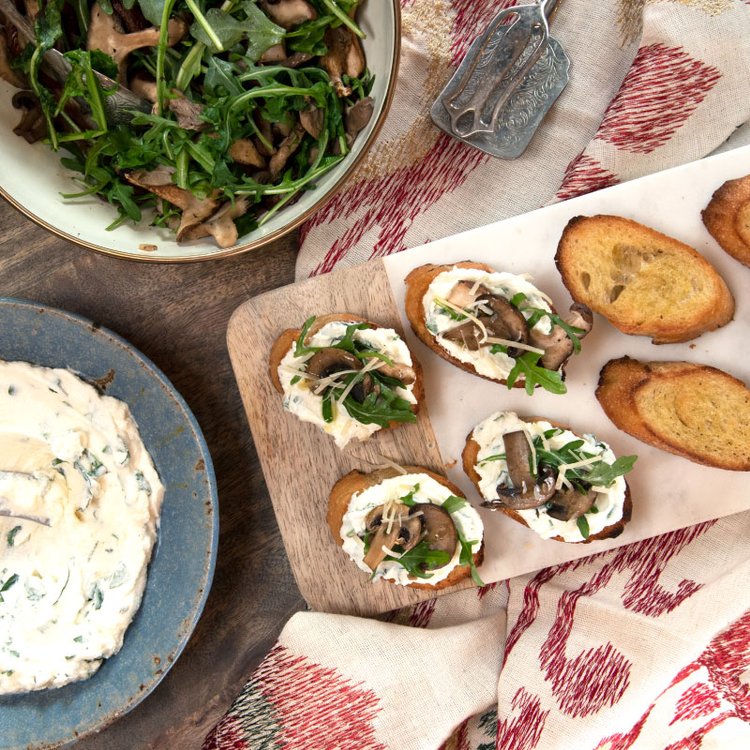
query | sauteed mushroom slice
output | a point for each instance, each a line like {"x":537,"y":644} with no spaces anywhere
{"x":569,"y":504}
{"x":289,"y":13}
{"x":104,"y":35}
{"x":557,"y":345}
{"x":467,"y":334}
{"x":392,"y":525}
{"x":357,"y":116}
{"x":438,"y":529}
{"x":506,"y":322}
{"x":330,"y":360}
{"x":399,"y":371}
{"x":344,"y":57}
{"x":33,"y":126}
{"x":462,"y":294}
{"x":526,"y":492}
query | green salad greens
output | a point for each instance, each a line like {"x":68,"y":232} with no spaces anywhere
{"x":369,"y":394}
{"x":252,"y":102}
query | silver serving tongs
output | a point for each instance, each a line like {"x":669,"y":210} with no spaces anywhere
{"x":510,"y":77}
{"x":120,"y":104}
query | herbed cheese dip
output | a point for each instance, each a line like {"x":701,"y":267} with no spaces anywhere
{"x":423,"y":489}
{"x":79,"y":510}
{"x":300,"y":400}
{"x":438,"y":320}
{"x":608,"y":505}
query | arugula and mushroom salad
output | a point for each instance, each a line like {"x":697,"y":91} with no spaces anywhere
{"x":494,"y":324}
{"x":563,"y":486}
{"x":252,"y":101}
{"x":407,"y":525}
{"x":348,"y":376}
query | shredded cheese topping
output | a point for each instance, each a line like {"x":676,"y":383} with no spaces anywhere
{"x":372,"y":364}
{"x":461,"y":311}
{"x":530,"y":441}
{"x":515,"y":344}
{"x":564,"y":468}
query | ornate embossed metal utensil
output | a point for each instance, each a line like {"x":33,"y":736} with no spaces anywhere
{"x":510,"y":77}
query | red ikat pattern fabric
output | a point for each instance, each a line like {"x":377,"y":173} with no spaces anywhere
{"x":644,"y":647}
{"x":654,"y":84}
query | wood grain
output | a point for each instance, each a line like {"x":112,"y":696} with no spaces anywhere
{"x":300,"y":462}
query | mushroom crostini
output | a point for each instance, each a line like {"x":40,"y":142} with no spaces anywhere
{"x":562,"y":486}
{"x":494,"y":324}
{"x":347,"y":375}
{"x":412,"y":528}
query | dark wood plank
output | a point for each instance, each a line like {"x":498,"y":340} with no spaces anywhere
{"x":177,"y":315}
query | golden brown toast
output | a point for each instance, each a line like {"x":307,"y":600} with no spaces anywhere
{"x":727,"y":218}
{"x":355,"y":481}
{"x":470,"y":458}
{"x":691,"y":410}
{"x":644,"y":282}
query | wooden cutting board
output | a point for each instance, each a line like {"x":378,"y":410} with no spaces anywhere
{"x":300,"y":463}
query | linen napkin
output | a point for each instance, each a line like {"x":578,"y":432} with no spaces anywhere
{"x":646,"y":646}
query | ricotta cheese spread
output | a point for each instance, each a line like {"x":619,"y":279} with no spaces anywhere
{"x":301,"y":400}
{"x":79,"y":511}
{"x":422,"y":488}
{"x":608,"y":505}
{"x":439,"y":320}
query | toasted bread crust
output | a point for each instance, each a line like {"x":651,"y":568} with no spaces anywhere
{"x":289,"y":336}
{"x":417,"y":283}
{"x":644,"y":282}
{"x":356,"y":481}
{"x":695,"y":411}
{"x":470,"y":457}
{"x":727,"y":218}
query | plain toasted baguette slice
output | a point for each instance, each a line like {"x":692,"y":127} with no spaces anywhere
{"x":644,"y":282}
{"x":288,"y":337}
{"x":356,"y":481}
{"x":470,"y":458}
{"x":727,"y":218}
{"x":692,"y":410}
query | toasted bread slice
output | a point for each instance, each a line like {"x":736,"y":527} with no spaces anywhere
{"x":644,"y":282}
{"x":355,"y":481}
{"x":470,"y":458}
{"x":727,"y":218}
{"x":691,"y":410}
{"x":287,"y":338}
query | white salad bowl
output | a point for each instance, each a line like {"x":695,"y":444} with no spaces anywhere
{"x":32,"y":178}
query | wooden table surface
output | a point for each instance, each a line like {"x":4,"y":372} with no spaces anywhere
{"x":177,"y":316}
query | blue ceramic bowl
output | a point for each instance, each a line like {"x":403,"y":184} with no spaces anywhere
{"x":182,"y":565}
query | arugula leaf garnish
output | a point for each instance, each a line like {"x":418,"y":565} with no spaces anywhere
{"x":420,"y":559}
{"x":408,"y":499}
{"x":583,"y":526}
{"x":382,"y":405}
{"x":527,"y":364}
{"x":453,"y":503}
{"x":603,"y":474}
